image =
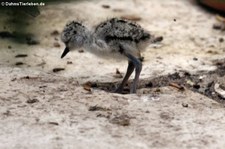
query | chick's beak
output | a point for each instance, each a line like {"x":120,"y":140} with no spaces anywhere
{"x":65,"y":52}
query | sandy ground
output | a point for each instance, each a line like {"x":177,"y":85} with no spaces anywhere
{"x":44,"y":109}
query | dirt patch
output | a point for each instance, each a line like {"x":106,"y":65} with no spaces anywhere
{"x":202,"y":82}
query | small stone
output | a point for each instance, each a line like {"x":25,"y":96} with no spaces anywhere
{"x":185,"y":105}
{"x":81,"y":51}
{"x":30,"y":101}
{"x":157,"y":90}
{"x":196,"y":86}
{"x":149,"y":84}
{"x":69,"y":62}
{"x":118,"y":74}
{"x":158,"y":39}
{"x":147,"y":111}
{"x":19,"y":63}
{"x":58,"y":69}
{"x":26,"y":77}
{"x":55,"y":33}
{"x":20,"y":55}
{"x":106,"y":6}
{"x":187,"y":73}
{"x":195,"y":59}
{"x":221,"y":40}
{"x":217,"y":26}
{"x":53,"y":123}
{"x":142,"y":58}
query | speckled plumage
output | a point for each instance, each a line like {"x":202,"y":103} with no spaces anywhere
{"x":118,"y":29}
{"x":116,"y":38}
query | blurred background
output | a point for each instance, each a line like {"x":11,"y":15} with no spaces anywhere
{"x":18,"y":18}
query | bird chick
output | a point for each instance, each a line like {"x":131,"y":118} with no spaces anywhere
{"x":115,"y":38}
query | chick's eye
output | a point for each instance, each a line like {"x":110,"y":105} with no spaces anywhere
{"x":74,"y":32}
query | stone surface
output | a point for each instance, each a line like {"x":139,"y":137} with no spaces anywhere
{"x":154,"y":118}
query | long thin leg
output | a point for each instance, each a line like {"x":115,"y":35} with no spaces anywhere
{"x":138,"y":67}
{"x":130,"y":70}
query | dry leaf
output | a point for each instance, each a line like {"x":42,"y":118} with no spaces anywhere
{"x":87,"y":86}
{"x":175,"y":85}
